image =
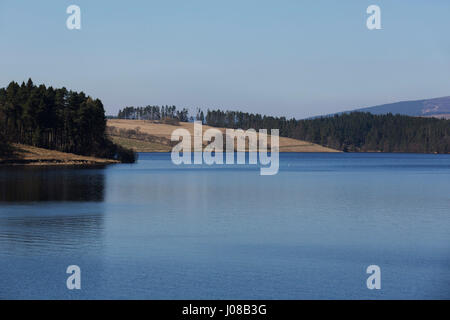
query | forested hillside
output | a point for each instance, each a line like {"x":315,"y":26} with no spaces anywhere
{"x":5,"y":148}
{"x":56,"y":119}
{"x":355,"y":131}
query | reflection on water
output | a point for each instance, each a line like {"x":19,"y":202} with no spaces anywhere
{"x":153,"y":230}
{"x":34,"y":235}
{"x":50,"y":211}
{"x":25,"y":184}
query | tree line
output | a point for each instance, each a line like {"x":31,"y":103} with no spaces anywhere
{"x":160,"y":113}
{"x":355,"y":132}
{"x":154,"y":113}
{"x":56,"y":119}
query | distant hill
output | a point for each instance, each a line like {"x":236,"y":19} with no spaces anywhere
{"x":153,"y":136}
{"x":438,"y":107}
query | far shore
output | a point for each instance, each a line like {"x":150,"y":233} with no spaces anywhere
{"x":138,"y":135}
{"x":153,"y":136}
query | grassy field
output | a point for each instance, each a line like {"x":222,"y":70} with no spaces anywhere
{"x":161,"y":133}
{"x":24,"y":154}
{"x":141,"y":145}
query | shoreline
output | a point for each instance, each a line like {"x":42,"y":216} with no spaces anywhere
{"x":54,"y":162}
{"x":25,"y":155}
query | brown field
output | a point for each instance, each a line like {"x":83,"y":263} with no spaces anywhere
{"x":162,"y":133}
{"x":24,"y":154}
{"x":140,"y":145}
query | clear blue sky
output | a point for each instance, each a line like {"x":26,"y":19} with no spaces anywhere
{"x":294,"y":58}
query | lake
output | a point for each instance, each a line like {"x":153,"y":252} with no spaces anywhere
{"x":153,"y":230}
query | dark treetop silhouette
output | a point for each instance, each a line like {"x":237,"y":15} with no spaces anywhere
{"x":56,"y":119}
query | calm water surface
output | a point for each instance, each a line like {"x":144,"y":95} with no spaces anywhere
{"x":152,"y":230}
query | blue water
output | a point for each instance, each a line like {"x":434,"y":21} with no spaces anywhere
{"x":153,"y":230}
